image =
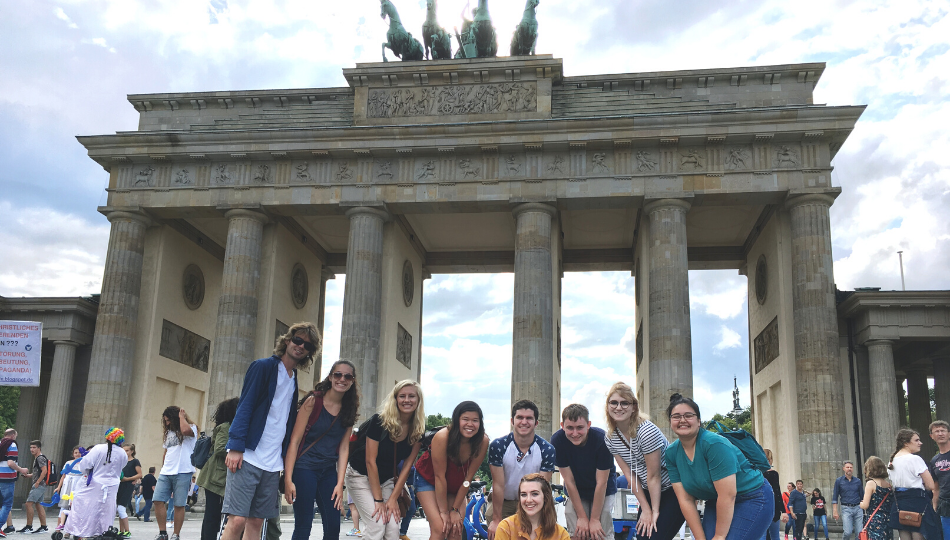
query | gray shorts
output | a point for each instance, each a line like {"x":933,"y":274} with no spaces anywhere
{"x":36,"y":494}
{"x":252,"y":492}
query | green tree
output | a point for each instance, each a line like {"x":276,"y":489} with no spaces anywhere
{"x":741,"y":420}
{"x":9,"y":401}
{"x":437,"y":420}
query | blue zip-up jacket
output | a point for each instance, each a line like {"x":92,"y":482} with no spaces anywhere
{"x":797,"y":503}
{"x":260,"y":385}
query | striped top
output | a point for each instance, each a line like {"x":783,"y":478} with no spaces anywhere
{"x":649,"y":439}
{"x":6,"y":473}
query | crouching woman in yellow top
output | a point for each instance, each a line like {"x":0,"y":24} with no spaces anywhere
{"x":536,"y":518}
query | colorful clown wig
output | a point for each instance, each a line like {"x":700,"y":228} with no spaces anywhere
{"x":115,"y":435}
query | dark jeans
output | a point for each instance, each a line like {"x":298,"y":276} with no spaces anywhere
{"x":790,"y":525}
{"x":671,"y":517}
{"x":146,"y":510}
{"x":315,"y":486}
{"x":212,"y":520}
{"x":800,"y":525}
{"x":404,"y":527}
{"x":751,"y":516}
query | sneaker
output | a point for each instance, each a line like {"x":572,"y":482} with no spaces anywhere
{"x":28,"y":529}
{"x":126,"y":534}
{"x":174,"y":537}
{"x":354,"y":532}
{"x":42,"y":529}
{"x":162,"y":536}
{"x":10,"y":529}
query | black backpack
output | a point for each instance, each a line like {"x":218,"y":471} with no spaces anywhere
{"x":202,"y":452}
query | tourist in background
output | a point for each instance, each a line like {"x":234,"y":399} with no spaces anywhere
{"x":940,"y":471}
{"x":639,"y":447}
{"x":130,"y":473}
{"x":912,"y":482}
{"x":93,"y":508}
{"x":179,"y":435}
{"x":390,"y":436}
{"x":214,"y":474}
{"x":354,"y":516}
{"x":316,"y":457}
{"x":790,"y":521}
{"x":536,"y":517}
{"x":37,"y":489}
{"x":68,"y":481}
{"x":148,"y":489}
{"x":9,"y":471}
{"x":850,"y":492}
{"x":877,"y":501}
{"x":587,"y":471}
{"x":818,"y":512}
{"x":446,"y":469}
{"x":798,"y":509}
{"x":706,"y":466}
{"x":407,"y":519}
{"x":771,"y":476}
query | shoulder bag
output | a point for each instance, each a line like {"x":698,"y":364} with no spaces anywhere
{"x":405,"y":499}
{"x":863,"y":535}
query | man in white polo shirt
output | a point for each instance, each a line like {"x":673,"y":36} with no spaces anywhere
{"x":513,"y":456}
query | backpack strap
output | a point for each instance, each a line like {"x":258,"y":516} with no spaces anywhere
{"x":314,"y":415}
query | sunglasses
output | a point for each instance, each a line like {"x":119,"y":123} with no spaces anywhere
{"x":345,"y":376}
{"x":300,"y":342}
{"x":618,"y":404}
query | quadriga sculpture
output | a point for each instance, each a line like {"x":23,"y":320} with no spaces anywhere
{"x":478,"y":39}
{"x":438,"y":43}
{"x":526,"y":33}
{"x":400,"y":42}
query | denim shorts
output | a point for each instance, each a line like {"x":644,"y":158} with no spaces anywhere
{"x":170,"y":485}
{"x":422,"y":484}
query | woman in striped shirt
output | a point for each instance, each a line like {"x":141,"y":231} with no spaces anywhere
{"x":639,"y":448}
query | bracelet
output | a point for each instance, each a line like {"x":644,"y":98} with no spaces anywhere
{"x":379,"y":500}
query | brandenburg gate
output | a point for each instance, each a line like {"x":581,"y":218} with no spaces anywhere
{"x":230,"y":211}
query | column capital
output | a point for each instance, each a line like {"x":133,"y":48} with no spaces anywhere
{"x":245,"y":213}
{"x":326,"y":274}
{"x":125,"y":215}
{"x":381,"y":213}
{"x":824,"y":197}
{"x":65,"y":343}
{"x":534,"y":207}
{"x":879,"y":343}
{"x":657,"y":204}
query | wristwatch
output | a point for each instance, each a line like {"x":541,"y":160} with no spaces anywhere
{"x":466,"y":483}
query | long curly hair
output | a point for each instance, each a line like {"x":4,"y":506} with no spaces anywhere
{"x":350,"y":410}
{"x":305,"y":327}
{"x":636,"y":418}
{"x":904,"y":436}
{"x":173,"y":425}
{"x":225,"y":412}
{"x":454,"y":447}
{"x":548,"y":514}
{"x":389,"y":414}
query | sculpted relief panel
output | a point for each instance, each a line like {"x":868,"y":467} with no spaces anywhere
{"x":452,"y":100}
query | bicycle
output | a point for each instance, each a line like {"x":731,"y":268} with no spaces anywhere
{"x":472,"y":525}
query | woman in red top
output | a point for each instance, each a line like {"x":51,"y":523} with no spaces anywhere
{"x":444,"y":471}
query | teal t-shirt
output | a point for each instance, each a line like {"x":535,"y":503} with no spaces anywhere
{"x":715,"y":459}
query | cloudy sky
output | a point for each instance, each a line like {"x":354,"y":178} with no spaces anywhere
{"x":66,"y":67}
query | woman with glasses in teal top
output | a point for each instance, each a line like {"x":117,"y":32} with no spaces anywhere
{"x":706,"y":466}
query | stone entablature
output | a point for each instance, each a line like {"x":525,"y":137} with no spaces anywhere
{"x":69,"y":319}
{"x":895,"y":315}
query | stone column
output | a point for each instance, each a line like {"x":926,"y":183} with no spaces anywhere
{"x":884,"y":403}
{"x":113,"y":345}
{"x":362,"y":300}
{"x":822,"y":428}
{"x":532,"y":339}
{"x":671,"y":352}
{"x":942,"y":387}
{"x":57,"y":400}
{"x":233,"y":349}
{"x":918,"y":403}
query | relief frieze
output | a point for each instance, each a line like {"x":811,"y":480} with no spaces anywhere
{"x":452,"y":100}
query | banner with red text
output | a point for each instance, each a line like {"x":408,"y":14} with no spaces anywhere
{"x":21,"y":345}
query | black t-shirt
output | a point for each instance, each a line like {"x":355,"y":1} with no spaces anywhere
{"x":585,"y":460}
{"x":384,"y":457}
{"x":940,"y":471}
{"x":818,"y":503}
{"x":148,"y":486}
{"x":124,"y":494}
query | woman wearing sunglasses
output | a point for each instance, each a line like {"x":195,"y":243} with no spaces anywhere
{"x":536,"y":518}
{"x":319,"y":449}
{"x":388,"y":437}
{"x":706,"y":466}
{"x":639,"y":448}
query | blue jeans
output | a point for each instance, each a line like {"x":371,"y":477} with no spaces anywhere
{"x":945,"y":521}
{"x":821,"y":521}
{"x":751,"y":515}
{"x":6,"y":501}
{"x":404,"y":527}
{"x":853,"y":518}
{"x":773,"y":532}
{"x":146,"y":510}
{"x":315,"y":486}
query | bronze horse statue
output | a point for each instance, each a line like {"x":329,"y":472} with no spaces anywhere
{"x":400,"y":42}
{"x":437,"y":42}
{"x":478,"y":39}
{"x":526,"y":33}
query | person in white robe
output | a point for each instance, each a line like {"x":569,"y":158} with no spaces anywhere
{"x":94,"y":496}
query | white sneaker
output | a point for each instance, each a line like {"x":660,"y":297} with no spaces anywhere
{"x":354,"y":532}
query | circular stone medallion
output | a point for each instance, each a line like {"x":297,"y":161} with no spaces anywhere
{"x":299,"y":285}
{"x":193,"y":286}
{"x":761,"y":280}
{"x":408,"y":283}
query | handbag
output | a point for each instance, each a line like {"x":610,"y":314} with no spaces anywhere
{"x":863,"y":535}
{"x":405,"y":499}
{"x":910,"y":519}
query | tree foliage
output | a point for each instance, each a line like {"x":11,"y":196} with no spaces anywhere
{"x":742,"y":420}
{"x":9,"y":401}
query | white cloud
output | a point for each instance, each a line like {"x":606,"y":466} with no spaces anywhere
{"x":61,"y":15}
{"x":730,"y":339}
{"x":721,"y":293}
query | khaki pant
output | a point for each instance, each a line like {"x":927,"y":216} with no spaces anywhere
{"x":606,"y":521}
{"x":508,"y":508}
{"x":357,"y":485}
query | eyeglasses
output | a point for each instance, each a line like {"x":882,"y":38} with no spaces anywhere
{"x":619,"y":404}
{"x":345,"y":376}
{"x":684,"y":416}
{"x":301,"y":342}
